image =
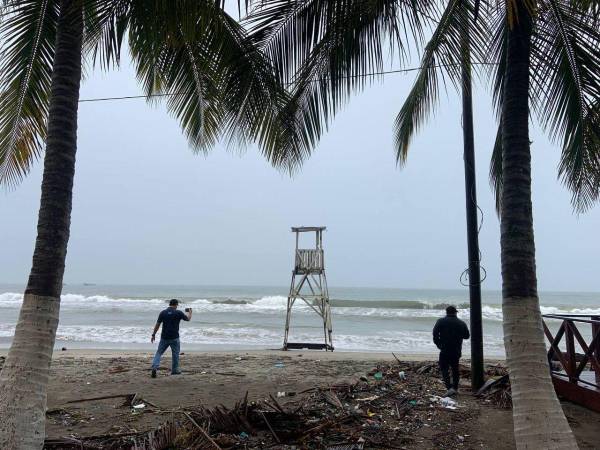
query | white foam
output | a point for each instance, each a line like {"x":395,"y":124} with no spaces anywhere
{"x":402,"y":341}
{"x":266,"y":305}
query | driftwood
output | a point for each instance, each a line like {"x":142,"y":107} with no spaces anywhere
{"x":160,"y":438}
{"x":104,"y":397}
{"x":207,"y":442}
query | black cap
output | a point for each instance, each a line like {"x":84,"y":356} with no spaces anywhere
{"x":173,"y":302}
{"x":451,"y":310}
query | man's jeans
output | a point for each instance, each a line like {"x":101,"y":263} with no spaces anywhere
{"x":162,"y":347}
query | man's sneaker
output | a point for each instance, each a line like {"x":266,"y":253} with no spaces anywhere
{"x":451,"y":392}
{"x":176,"y":373}
{"x":153,"y":373}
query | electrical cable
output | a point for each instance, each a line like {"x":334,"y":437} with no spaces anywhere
{"x":365,"y":75}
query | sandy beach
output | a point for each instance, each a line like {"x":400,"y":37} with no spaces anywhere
{"x":223,"y":378}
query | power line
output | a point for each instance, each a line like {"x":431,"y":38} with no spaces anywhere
{"x":364,"y":75}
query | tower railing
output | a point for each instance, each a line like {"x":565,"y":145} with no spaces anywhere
{"x":309,"y":260}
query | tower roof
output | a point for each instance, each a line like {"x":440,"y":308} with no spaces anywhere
{"x":305,"y":229}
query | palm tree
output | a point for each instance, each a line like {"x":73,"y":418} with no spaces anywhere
{"x":545,"y":50}
{"x":191,"y":51}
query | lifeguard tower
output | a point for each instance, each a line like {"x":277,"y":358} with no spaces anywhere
{"x":310,"y":285}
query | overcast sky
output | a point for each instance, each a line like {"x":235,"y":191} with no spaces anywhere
{"x":147,"y":210}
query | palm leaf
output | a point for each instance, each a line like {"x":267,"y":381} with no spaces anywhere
{"x":444,"y":55}
{"x":28,"y":33}
{"x":496,"y":170}
{"x":219,"y":85}
{"x":565,"y":85}
{"x":106,"y":24}
{"x":326,"y":50}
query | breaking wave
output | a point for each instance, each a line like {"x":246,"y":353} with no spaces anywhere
{"x":277,"y":304}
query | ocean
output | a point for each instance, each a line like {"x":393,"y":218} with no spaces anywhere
{"x":253,"y":317}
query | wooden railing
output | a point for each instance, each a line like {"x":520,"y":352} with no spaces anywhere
{"x":309,"y":260}
{"x":573,"y":363}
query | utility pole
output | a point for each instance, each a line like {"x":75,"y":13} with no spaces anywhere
{"x":477,"y":375}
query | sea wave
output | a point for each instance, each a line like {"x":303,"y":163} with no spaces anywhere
{"x":276,"y":304}
{"x":401,"y":341}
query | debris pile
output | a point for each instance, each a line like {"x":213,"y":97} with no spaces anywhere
{"x":394,"y":406}
{"x":497,"y":391}
{"x":157,"y":439}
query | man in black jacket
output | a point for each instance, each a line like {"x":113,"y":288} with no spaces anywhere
{"x":448,"y":335}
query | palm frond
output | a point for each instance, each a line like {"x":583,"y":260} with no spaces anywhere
{"x":105,"y":26}
{"x":28,"y":34}
{"x":219,"y":84}
{"x":444,"y":53}
{"x":565,"y":87}
{"x":326,"y":50}
{"x":496,"y":170}
{"x":496,"y":53}
{"x":290,"y":31}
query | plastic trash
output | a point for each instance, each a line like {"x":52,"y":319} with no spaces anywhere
{"x":244,"y":435}
{"x":402,"y":375}
{"x":447,"y":401}
{"x":413,"y":402}
{"x":378,"y":376}
{"x":279,"y":364}
{"x":140,"y":406}
{"x":280,"y":394}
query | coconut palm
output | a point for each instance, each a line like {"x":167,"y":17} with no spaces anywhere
{"x":216,"y":84}
{"x":545,"y":50}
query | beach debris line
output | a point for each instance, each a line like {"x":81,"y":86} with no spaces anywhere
{"x":383,"y":409}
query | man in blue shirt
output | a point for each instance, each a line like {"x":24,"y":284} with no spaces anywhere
{"x":169,"y":337}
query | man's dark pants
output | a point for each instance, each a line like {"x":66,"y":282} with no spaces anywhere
{"x":449,"y":362}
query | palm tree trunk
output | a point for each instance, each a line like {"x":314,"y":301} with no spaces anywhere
{"x":24,"y":377}
{"x":539,"y":421}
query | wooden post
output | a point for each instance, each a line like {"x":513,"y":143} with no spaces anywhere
{"x":570,"y":351}
{"x":596,"y":351}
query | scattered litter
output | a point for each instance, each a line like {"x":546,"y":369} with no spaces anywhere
{"x":279,"y":364}
{"x":140,"y":406}
{"x":369,"y":413}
